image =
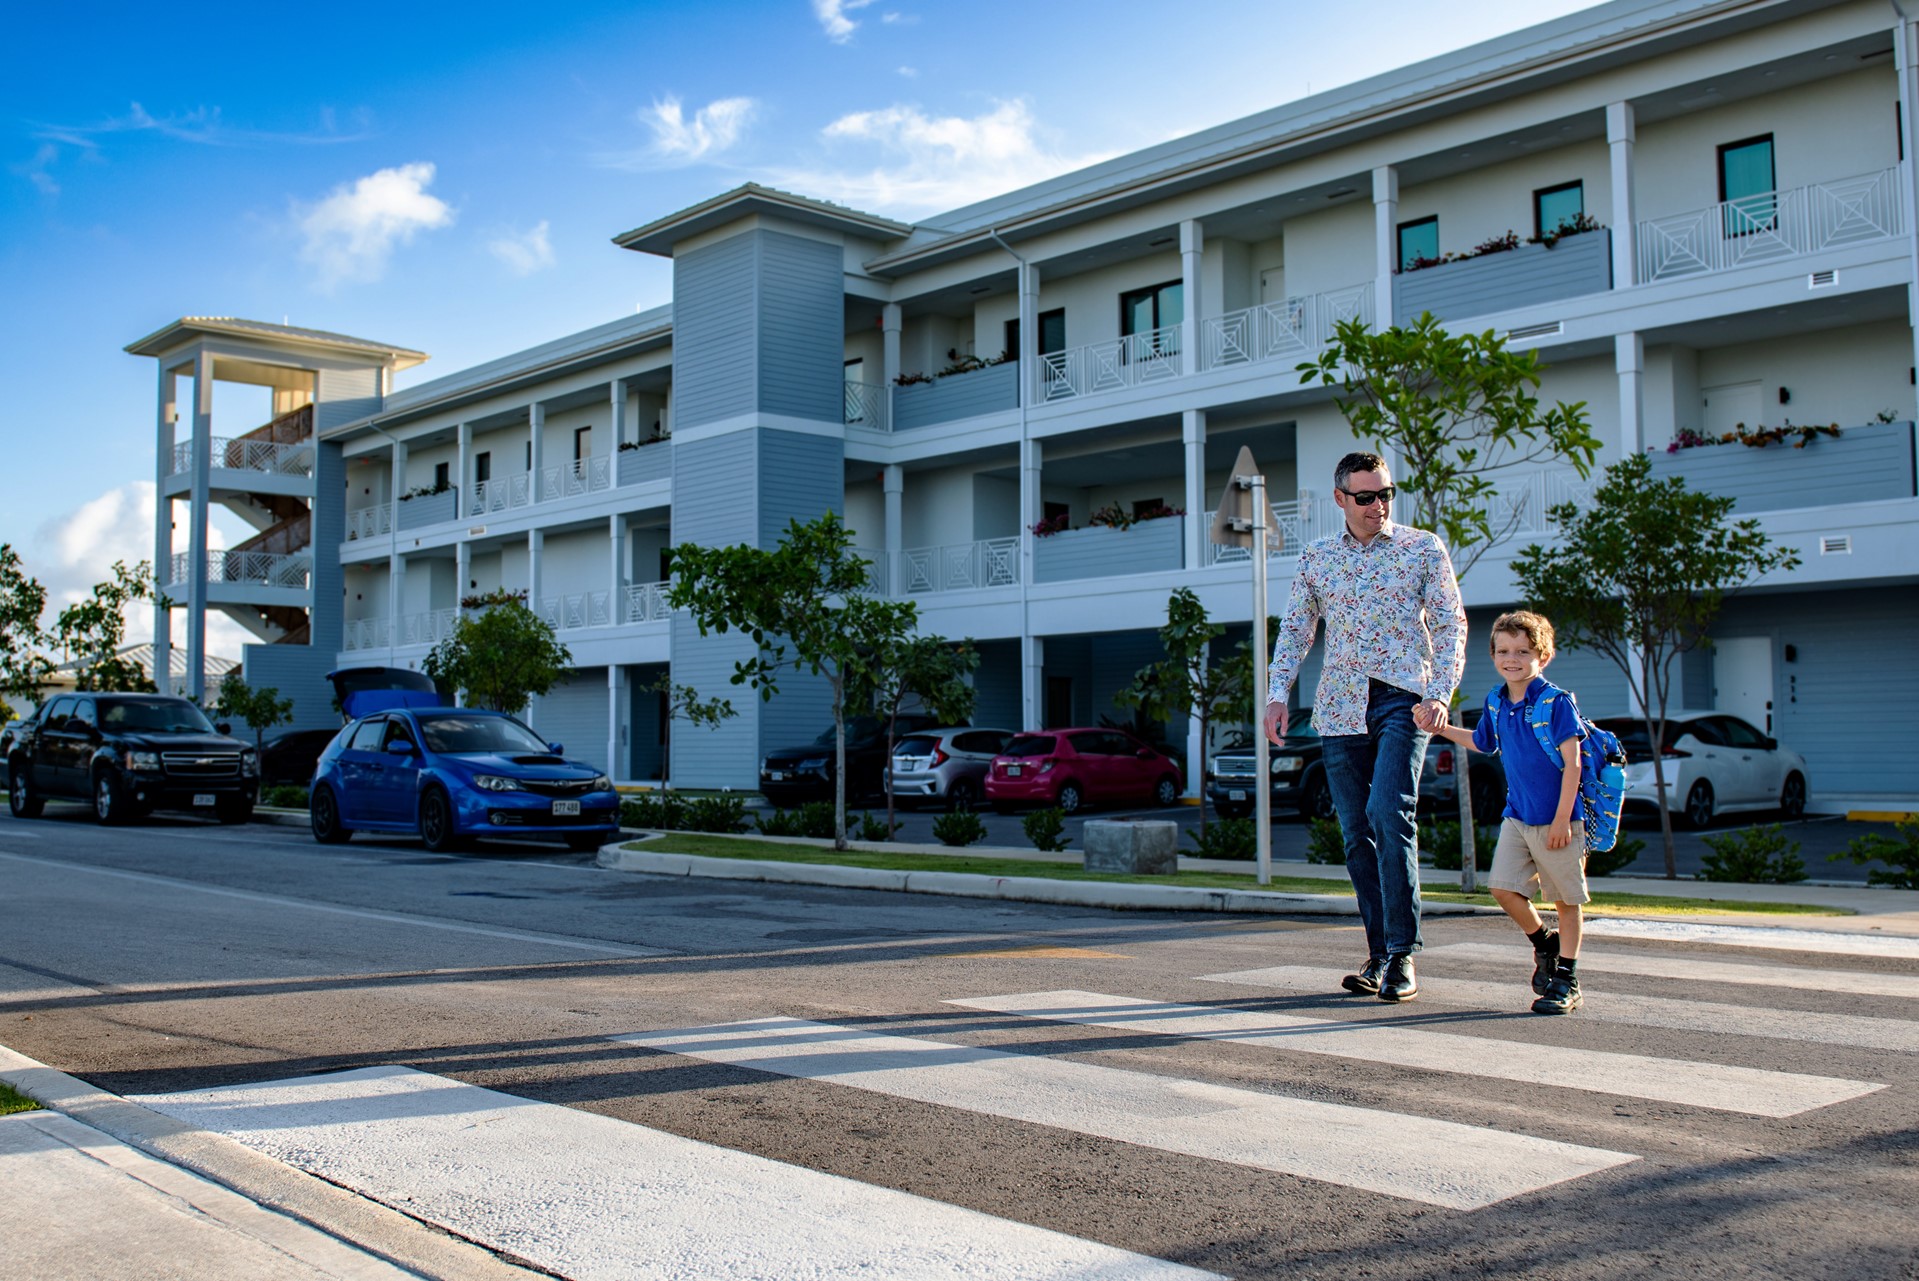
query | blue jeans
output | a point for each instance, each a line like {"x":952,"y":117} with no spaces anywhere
{"x":1374,"y":779}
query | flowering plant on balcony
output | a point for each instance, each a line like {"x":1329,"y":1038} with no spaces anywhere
{"x":426,"y":491}
{"x":487,"y":600}
{"x":957,"y":364}
{"x":1050,"y":526}
{"x":1758,"y":438}
{"x":1113,"y":516}
{"x":641,"y":444}
{"x":1507,"y":241}
{"x":1578,"y":224}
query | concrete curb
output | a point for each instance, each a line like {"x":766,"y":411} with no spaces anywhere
{"x":1120,"y":895}
{"x":387,"y":1234}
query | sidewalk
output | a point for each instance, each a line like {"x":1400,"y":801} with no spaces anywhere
{"x":95,"y":1186}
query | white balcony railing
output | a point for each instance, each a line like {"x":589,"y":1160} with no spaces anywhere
{"x":646,"y":603}
{"x":238,"y":454}
{"x":991,"y":562}
{"x":1772,"y":225}
{"x":501,"y":494}
{"x":369,"y":522}
{"x":364,"y":633}
{"x":1295,"y":524}
{"x":266,"y":569}
{"x":429,"y":628}
{"x":1132,"y":361}
{"x":866,"y":405}
{"x":581,"y":476}
{"x":1292,"y":329}
{"x":580,"y":609}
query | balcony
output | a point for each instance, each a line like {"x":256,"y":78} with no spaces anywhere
{"x":1525,"y":275}
{"x":581,"y":476}
{"x":428,"y":628}
{"x":866,"y":405}
{"x":956,"y":396}
{"x":501,"y":494}
{"x":1099,"y":551}
{"x":422,"y":510}
{"x":1133,"y":361}
{"x":238,"y":453}
{"x":369,"y":522}
{"x":1290,"y":330}
{"x":646,"y":603}
{"x":580,"y":609}
{"x":257,"y":569}
{"x":364,"y":633}
{"x":651,"y":461}
{"x":990,"y":562}
{"x":1861,"y":465}
{"x":1773,"y":225}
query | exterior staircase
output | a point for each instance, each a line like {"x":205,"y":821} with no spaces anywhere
{"x":290,"y":531}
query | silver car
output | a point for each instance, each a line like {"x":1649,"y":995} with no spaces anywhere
{"x":944,"y":766}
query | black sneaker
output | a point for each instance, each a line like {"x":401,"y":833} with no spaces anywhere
{"x":1545,"y":964}
{"x":1366,"y":982}
{"x":1561,"y":996}
{"x":1399,"y":982}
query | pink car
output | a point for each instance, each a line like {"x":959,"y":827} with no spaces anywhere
{"x":1073,"y":768}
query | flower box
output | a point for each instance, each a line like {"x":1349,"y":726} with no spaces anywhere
{"x":1521,"y":277}
{"x":1099,"y":551}
{"x":428,"y":509}
{"x":1861,"y":465}
{"x":956,"y":396}
{"x":653,"y":461}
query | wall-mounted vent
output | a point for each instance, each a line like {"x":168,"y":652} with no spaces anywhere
{"x":1535,"y":331}
{"x":1835,"y":545}
{"x":1822,"y":280}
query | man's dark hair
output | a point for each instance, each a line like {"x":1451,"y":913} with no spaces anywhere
{"x":1357,"y":461}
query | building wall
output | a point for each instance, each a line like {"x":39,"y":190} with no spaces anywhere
{"x":573,"y":714}
{"x":577,"y":561}
{"x":1480,"y":204}
{"x":1843,"y":376}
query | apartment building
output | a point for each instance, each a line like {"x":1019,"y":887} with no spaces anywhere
{"x":1712,"y":204}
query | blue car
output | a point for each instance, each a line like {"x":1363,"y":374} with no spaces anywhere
{"x":453,"y":774}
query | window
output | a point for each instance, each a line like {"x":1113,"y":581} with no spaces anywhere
{"x":85,"y":714}
{"x":1052,"y":333}
{"x":1143,"y":505}
{"x":1418,"y":241}
{"x":57,"y":714}
{"x":582,"y":443}
{"x":1553,"y":207}
{"x":1746,"y":185}
{"x":397,"y":732}
{"x":1160,"y":307}
{"x":367,"y":737}
{"x":1056,"y":511}
{"x":440,"y":471}
{"x":1091,"y":743}
{"x":483,"y":466}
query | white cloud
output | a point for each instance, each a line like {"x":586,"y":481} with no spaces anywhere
{"x":524,"y":252}
{"x":714,"y":129}
{"x":909,"y":72}
{"x":351,"y":234}
{"x":833,"y":20}
{"x":934,"y":162}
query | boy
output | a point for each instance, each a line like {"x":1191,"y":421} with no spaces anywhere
{"x":1541,"y":840}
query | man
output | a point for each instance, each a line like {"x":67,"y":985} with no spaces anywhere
{"x":1395,"y":644}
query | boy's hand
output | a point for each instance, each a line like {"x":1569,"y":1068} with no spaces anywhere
{"x":1561,"y":834}
{"x":1430,"y":715}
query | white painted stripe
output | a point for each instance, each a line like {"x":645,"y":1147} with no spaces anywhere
{"x":597,"y":1199}
{"x":1436,"y":1162}
{"x":1706,"y":1085}
{"x":1784,"y":940}
{"x":1615,"y":1007}
{"x":1694,"y":968}
{"x":366,"y":914}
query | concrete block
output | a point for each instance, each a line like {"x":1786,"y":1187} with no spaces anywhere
{"x":1133,"y":849}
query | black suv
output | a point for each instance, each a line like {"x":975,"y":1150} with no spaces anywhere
{"x":794,"y":775}
{"x":130,"y":754}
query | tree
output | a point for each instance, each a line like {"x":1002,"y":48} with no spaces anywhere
{"x":500,"y":656}
{"x":1454,"y":407}
{"x":1187,"y":682}
{"x":805,"y":605}
{"x":683,"y":703}
{"x":92,"y":632}
{"x":23,"y":661}
{"x":1639,"y":577}
{"x":934,"y":669}
{"x":258,"y":709}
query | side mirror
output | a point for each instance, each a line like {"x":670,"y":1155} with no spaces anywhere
{"x":558,"y":749}
{"x":223,"y":727}
{"x":1144,"y":754}
{"x":1770,"y":744}
{"x":401,"y":748}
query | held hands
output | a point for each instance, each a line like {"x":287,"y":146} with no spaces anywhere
{"x":1275,"y":723}
{"x":1430,"y":716}
{"x":1560,"y":835}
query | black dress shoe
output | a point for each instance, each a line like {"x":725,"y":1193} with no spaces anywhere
{"x":1366,"y":982}
{"x":1399,"y":982}
{"x":1545,"y":964}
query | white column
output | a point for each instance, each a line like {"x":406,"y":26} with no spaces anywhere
{"x":463,"y":476}
{"x":893,"y":481}
{"x":462,"y":570}
{"x":616,"y":430}
{"x":1192,"y":248}
{"x":666,"y":412}
{"x":396,"y":484}
{"x":1386,"y":242}
{"x":1030,"y":507}
{"x":1032,"y":683}
{"x":536,"y":455}
{"x":1629,"y":359}
{"x":1195,"y":751}
{"x":1192,"y":434}
{"x":1620,"y":132}
{"x":535,"y":554}
{"x":1905,"y":45}
{"x":616,"y":540}
{"x":395,"y":563}
{"x":165,"y":416}
{"x":1029,"y":371}
{"x":891,"y":323}
{"x":197,"y":525}
{"x":615,"y":720}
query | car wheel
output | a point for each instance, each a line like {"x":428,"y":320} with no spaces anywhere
{"x":437,"y":829}
{"x":109,"y":799}
{"x":1166,"y":793}
{"x":963,"y":797}
{"x":1698,"y":810}
{"x":1318,"y":801}
{"x":1070,"y":798}
{"x":237,"y":810}
{"x":584,"y":842}
{"x":324,"y":814}
{"x":22,"y":799}
{"x":1792,"y":797}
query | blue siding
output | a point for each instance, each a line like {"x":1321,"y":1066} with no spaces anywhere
{"x":648,"y":462}
{"x":945,"y":400}
{"x":802,"y":328}
{"x":1519,"y":277}
{"x":729,"y":755}
{"x":714,"y":483}
{"x":1070,"y":657}
{"x":797,"y":715}
{"x":299,"y":671}
{"x":996,"y":686}
{"x":574,"y":715}
{"x":1862,"y":465}
{"x":801,"y":477}
{"x":1098,"y":552}
{"x":1117,"y":658}
{"x":431,"y":509}
{"x":715,"y":339}
{"x":343,"y":395}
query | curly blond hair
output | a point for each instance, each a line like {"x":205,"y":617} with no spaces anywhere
{"x":1523,"y":622}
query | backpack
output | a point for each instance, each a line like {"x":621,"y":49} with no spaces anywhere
{"x":1602,"y":765}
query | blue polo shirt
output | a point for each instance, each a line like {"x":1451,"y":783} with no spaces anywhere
{"x":1532,"y":778}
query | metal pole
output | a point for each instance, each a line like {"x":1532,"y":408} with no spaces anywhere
{"x":1262,"y":754}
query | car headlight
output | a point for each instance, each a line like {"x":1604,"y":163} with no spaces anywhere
{"x":812,"y":763}
{"x":146,"y":761}
{"x":1287,"y":764}
{"x":250,"y":764}
{"x":494,"y":783}
{"x":601,"y":783}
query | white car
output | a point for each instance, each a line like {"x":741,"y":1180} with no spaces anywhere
{"x":1714,"y":764}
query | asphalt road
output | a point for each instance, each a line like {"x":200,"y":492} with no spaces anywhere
{"x":1719,"y":1112}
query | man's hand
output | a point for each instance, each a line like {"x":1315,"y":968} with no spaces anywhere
{"x":1430,"y":716}
{"x":1275,"y":724}
{"x":1560,"y":835}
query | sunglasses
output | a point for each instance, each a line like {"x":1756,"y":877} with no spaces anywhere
{"x":1366,"y":497}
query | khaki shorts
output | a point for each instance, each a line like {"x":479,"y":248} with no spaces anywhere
{"x":1523,"y":864}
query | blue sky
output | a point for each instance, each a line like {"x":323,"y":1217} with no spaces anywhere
{"x":448,"y":177}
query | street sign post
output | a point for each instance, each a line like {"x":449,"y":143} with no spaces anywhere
{"x":1245,"y":520}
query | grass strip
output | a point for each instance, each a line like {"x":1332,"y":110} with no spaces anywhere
{"x":783,"y":852}
{"x":11,"y":1101}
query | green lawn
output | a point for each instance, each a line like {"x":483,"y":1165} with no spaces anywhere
{"x":785,"y":852}
{"x":11,"y":1101}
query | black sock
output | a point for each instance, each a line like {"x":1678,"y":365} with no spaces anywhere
{"x":1544,"y":939}
{"x":1569,"y":967}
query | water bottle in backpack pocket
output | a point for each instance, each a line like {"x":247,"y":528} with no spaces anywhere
{"x":1602,"y":769}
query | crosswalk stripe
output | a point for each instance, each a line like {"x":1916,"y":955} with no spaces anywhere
{"x":1439,"y":1163}
{"x":593,"y":1198}
{"x":1831,"y":942}
{"x":1693,"y":968}
{"x":1618,"y":1007}
{"x":1755,"y":1091}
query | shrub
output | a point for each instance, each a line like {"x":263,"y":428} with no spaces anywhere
{"x":813,"y":819}
{"x":1225,"y":838}
{"x":285,"y":796}
{"x":1758,"y":854}
{"x":1325,"y":843}
{"x":657,"y":810}
{"x":1606,"y":862}
{"x":722,"y":814}
{"x":1900,"y":852}
{"x":959,"y":828}
{"x":1043,"y":828}
{"x":1442,"y":843}
{"x":875,"y":829}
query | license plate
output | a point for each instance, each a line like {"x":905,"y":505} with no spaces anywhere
{"x":775,"y":776}
{"x":1235,"y":796}
{"x":566,"y":807}
{"x":203,"y":798}
{"x":1012,"y":771}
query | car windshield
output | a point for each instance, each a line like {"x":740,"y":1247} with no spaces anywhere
{"x":154,"y":716}
{"x":476,"y":735}
{"x":1634,"y":738}
{"x":1030,"y":745}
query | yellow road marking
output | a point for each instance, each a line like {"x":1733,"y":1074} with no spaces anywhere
{"x":1060,"y":953}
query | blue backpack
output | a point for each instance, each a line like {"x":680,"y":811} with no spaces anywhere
{"x":1602,"y":765}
